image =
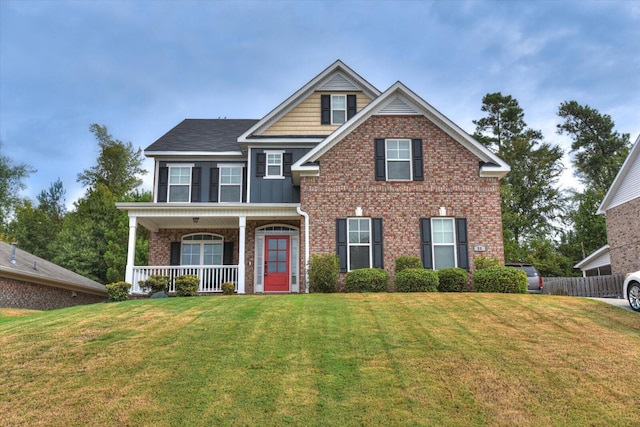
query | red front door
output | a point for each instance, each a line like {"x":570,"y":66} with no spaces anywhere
{"x":276,"y":272}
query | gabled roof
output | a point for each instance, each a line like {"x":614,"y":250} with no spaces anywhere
{"x":599,"y":258}
{"x":626,"y":185}
{"x":31,"y":268}
{"x":203,"y":136}
{"x":337,"y":71}
{"x":399,"y":99}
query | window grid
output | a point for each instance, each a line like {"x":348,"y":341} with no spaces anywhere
{"x":444,"y":243}
{"x":179,"y":184}
{"x":230,"y":184}
{"x":274,"y":164}
{"x":202,"y":249}
{"x":359,"y":243}
{"x":398,"y":156}
{"x":338,"y":109}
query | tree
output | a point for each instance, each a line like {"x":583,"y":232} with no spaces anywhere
{"x":598,"y":151}
{"x":530,"y":196}
{"x":12,"y":178}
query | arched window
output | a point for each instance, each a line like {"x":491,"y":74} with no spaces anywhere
{"x":202,"y":249}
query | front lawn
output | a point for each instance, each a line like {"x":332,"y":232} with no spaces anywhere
{"x":324,"y":360}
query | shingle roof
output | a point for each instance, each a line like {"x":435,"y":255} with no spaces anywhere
{"x":31,"y":268}
{"x":203,"y":135}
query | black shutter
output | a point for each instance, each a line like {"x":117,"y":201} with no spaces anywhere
{"x":325,"y":109}
{"x":175,"y":254}
{"x":379,"y":155}
{"x":341,"y":243}
{"x":163,"y":184}
{"x":462,"y":245}
{"x":351,"y":106}
{"x":196,"y":174}
{"x":261,"y":164}
{"x":425,"y":243}
{"x":378,"y":255}
{"x":227,"y":253}
{"x":418,"y":168}
{"x":287,"y":161}
{"x":213,"y":184}
{"x":244,"y":185}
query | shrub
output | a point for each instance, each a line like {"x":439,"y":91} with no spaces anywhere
{"x":452,"y":280}
{"x":501,"y":279}
{"x":367,"y":280}
{"x":407,"y":261}
{"x":416,"y":280}
{"x":118,"y":291}
{"x":482,"y":263}
{"x":155,"y":284}
{"x":324,"y":271}
{"x":228,"y":288}
{"x":187,"y":285}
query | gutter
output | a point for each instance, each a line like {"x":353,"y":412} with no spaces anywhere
{"x":306,"y":247}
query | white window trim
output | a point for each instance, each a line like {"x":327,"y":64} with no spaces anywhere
{"x":349,"y":244}
{"x":220,"y":184}
{"x":179,"y":165}
{"x":294,"y":269}
{"x":202,"y":243}
{"x":454,"y":244}
{"x":331,"y":110}
{"x":266,"y":171}
{"x":387,"y":160}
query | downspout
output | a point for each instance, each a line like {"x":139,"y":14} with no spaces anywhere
{"x":306,"y":247}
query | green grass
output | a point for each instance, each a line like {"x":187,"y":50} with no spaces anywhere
{"x":324,"y":360}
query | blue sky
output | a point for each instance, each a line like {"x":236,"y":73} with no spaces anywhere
{"x":140,"y":67}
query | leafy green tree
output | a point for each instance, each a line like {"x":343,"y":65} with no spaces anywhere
{"x":12,"y":178}
{"x":598,"y":151}
{"x":531,"y":199}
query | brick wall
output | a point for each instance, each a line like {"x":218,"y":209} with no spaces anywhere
{"x":347,"y":181}
{"x":623,"y":234}
{"x":21,"y":294}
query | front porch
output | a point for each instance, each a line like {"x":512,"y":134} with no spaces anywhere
{"x":221,"y":243}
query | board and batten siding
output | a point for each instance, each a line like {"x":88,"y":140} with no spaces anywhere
{"x":265,"y":190}
{"x":304,"y":118}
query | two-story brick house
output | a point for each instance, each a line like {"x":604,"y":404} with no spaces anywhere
{"x":338,"y":167}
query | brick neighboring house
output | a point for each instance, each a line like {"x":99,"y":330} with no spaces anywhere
{"x":338,"y":167}
{"x":27,"y":281}
{"x":621,"y":208}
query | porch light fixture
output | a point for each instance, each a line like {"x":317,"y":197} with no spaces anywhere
{"x":195,"y":220}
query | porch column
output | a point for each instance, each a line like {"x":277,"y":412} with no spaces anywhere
{"x":241,"y":261}
{"x":131,"y":250}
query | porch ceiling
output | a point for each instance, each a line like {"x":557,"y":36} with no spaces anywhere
{"x":156,"y":216}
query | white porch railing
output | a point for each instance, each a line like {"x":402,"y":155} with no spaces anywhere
{"x":211,"y":276}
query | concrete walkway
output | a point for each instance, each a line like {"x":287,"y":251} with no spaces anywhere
{"x":618,"y":302}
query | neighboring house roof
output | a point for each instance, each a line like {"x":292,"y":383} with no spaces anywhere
{"x":336,"y":74}
{"x":399,"y":99}
{"x":599,"y":258}
{"x":626,"y":185}
{"x":202,"y":136}
{"x":31,"y":268}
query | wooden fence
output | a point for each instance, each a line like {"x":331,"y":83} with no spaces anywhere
{"x":594,"y":286}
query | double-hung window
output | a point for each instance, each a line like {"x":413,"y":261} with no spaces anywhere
{"x":338,"y":109}
{"x":359,"y":243}
{"x":398,"y":156}
{"x":230,"y":183}
{"x":274,"y":164}
{"x":202,"y":249}
{"x":179,"y":183}
{"x":444,"y":243}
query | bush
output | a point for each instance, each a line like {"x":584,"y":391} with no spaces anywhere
{"x":324,"y":271}
{"x":407,"y":261}
{"x":452,"y":280}
{"x":501,"y":279}
{"x":155,"y":284}
{"x":228,"y":288}
{"x":118,"y":291}
{"x":367,"y":280}
{"x":417,"y":280}
{"x":187,"y":285}
{"x":482,"y":263}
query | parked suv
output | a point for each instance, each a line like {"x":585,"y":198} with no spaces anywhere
{"x":535,"y":280}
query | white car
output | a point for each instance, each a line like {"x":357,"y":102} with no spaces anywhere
{"x":631,"y":290}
